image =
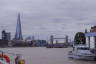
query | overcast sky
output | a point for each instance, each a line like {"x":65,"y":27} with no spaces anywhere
{"x":45,"y":17}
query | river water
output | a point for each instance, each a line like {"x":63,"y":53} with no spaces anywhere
{"x":42,"y":55}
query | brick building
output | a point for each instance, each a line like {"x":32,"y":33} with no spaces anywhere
{"x":93,"y":29}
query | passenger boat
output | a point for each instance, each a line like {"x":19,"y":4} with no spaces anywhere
{"x":85,"y":52}
{"x":82,"y":52}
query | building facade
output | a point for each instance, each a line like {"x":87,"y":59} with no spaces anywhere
{"x":6,"y":35}
{"x":93,"y":29}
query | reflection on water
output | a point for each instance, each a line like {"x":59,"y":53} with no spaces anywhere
{"x":42,"y":55}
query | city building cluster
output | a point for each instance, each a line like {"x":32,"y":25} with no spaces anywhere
{"x":18,"y":40}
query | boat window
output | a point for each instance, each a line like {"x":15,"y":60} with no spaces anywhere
{"x":83,"y":48}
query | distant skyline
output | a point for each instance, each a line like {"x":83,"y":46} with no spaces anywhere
{"x":42,"y":18}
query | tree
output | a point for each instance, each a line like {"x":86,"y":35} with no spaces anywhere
{"x":80,"y":38}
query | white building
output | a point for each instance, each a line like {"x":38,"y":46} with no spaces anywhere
{"x":91,"y":40}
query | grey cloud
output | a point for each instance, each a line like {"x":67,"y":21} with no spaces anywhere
{"x":46,"y":17}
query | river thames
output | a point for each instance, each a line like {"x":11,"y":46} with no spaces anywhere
{"x":42,"y":55}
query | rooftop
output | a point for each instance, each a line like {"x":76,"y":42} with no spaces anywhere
{"x":91,"y":34}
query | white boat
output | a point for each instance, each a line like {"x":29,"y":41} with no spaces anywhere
{"x":82,"y":52}
{"x":87,"y":51}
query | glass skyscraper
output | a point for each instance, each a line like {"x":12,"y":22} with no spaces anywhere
{"x":18,"y":34}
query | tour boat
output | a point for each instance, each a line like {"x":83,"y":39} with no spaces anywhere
{"x":87,"y":51}
{"x":82,"y":52}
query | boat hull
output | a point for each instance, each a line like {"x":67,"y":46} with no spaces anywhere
{"x":81,"y":56}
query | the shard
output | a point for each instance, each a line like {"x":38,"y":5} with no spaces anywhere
{"x":18,"y":34}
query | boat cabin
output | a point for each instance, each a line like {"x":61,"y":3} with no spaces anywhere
{"x":91,"y":40}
